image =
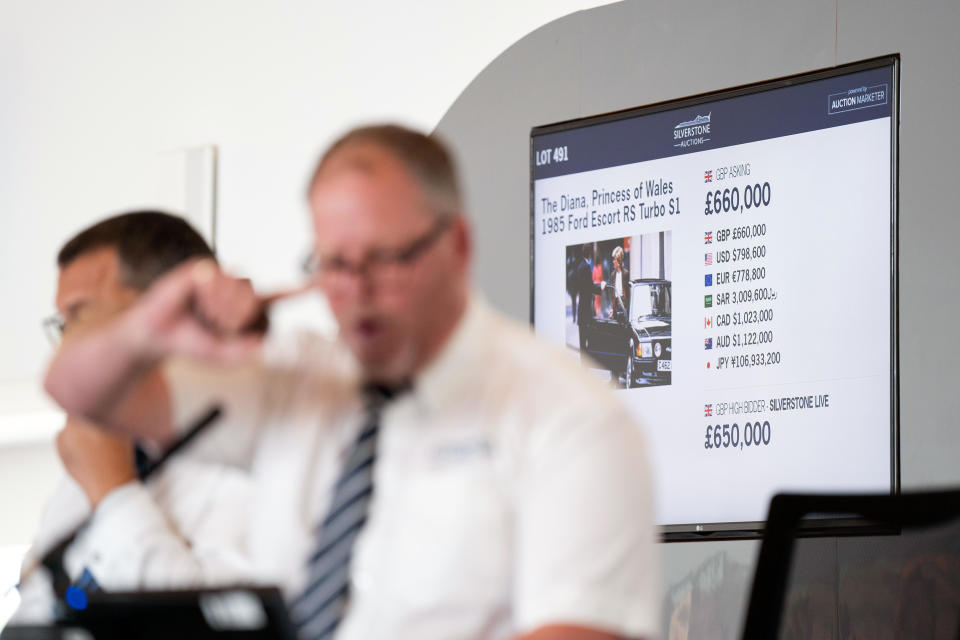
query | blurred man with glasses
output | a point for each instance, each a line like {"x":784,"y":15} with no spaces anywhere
{"x":103,"y":270}
{"x":435,"y":472}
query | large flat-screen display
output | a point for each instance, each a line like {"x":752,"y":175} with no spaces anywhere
{"x":729,"y":262}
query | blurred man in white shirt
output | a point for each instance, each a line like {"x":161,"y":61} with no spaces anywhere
{"x":501,"y":493}
{"x":102,"y":271}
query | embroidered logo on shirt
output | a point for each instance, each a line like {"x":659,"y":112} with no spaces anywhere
{"x":462,"y":451}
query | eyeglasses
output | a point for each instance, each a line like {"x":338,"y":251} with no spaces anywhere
{"x":53,"y":327}
{"x":380,"y":265}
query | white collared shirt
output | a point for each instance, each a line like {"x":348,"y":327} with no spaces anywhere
{"x":184,"y":528}
{"x":511,"y":488}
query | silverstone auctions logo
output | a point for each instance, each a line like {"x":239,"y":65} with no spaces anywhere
{"x":692,"y":133}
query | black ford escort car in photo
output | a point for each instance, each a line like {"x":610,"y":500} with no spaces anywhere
{"x":631,"y":336}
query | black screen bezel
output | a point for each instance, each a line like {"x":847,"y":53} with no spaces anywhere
{"x":829,"y":525}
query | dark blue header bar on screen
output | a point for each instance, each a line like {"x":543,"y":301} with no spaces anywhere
{"x":767,"y":113}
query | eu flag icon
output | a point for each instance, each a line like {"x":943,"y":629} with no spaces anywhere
{"x":708,"y":280}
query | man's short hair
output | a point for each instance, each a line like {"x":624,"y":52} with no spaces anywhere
{"x":148,"y":244}
{"x":426,"y":157}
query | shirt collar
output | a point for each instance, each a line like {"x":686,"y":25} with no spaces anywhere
{"x":447,"y":377}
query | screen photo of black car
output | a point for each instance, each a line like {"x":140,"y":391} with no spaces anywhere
{"x":618,"y":308}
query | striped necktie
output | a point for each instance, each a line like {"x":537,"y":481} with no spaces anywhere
{"x":320,"y":608}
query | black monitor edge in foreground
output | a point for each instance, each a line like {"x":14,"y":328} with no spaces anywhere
{"x":787,"y":518}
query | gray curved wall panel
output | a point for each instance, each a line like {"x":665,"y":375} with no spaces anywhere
{"x":634,"y":53}
{"x":605,"y":59}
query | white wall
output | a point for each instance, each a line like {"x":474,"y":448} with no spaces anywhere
{"x":91,"y":92}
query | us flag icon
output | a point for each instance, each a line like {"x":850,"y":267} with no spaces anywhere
{"x":707,"y":259}
{"x":708,"y":175}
